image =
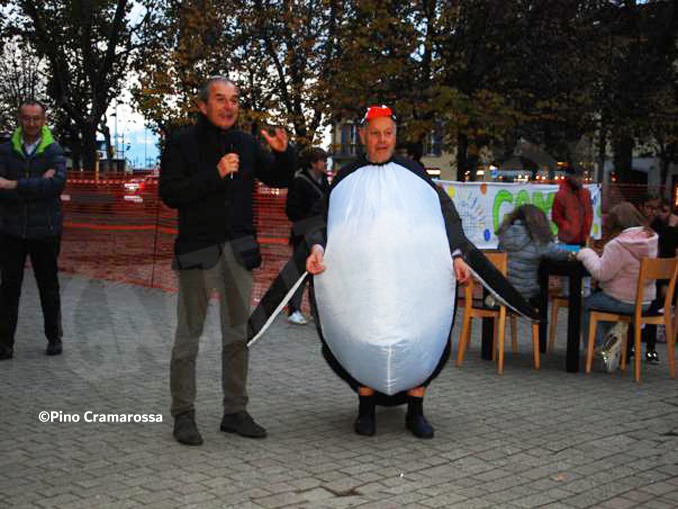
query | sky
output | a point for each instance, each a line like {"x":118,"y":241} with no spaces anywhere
{"x":130,"y":128}
{"x":130,"y":125}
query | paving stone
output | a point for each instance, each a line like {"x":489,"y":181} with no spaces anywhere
{"x":656,"y":503}
{"x":659,"y":488}
{"x":619,"y":503}
{"x":526,"y":439}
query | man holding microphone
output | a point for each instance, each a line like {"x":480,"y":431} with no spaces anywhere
{"x":207,"y":173}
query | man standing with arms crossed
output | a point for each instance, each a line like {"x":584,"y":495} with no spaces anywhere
{"x":32,"y":177}
{"x":207,"y":173}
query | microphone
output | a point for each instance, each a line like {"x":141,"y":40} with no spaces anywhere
{"x":231,"y":150}
{"x":226,"y":147}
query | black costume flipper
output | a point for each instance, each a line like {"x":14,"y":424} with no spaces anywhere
{"x":290,"y":278}
{"x":490,"y":277}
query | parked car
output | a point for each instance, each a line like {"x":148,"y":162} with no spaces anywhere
{"x":143,"y":190}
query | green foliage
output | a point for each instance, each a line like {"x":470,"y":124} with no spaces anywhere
{"x":277,"y":51}
{"x":22,"y":79}
{"x":88,"y":47}
{"x":486,"y":72}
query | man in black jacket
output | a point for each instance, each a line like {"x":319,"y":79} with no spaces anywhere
{"x":207,"y":173}
{"x":308,"y":191}
{"x":32,"y":176}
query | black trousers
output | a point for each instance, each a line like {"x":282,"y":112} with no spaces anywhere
{"x":43,"y":253}
{"x":294,"y":303}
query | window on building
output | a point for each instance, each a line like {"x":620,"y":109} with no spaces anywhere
{"x":349,"y":139}
{"x":433,"y":146}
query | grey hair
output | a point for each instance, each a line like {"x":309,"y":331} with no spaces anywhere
{"x":33,"y":102}
{"x":204,"y":93}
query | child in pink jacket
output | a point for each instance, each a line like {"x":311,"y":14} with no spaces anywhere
{"x":617,"y":269}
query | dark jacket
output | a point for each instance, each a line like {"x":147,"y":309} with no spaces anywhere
{"x":33,"y":209}
{"x":573,"y":213}
{"x":524,"y":256}
{"x":213,"y":210}
{"x":305,"y":198}
{"x":668,"y":238}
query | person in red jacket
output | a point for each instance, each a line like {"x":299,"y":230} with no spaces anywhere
{"x":572,"y":210}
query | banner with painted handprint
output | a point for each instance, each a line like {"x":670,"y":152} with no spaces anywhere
{"x":483,"y":205}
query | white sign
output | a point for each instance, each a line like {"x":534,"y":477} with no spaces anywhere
{"x":483,"y":205}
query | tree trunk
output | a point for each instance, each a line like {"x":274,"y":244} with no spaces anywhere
{"x":623,"y":157}
{"x":462,"y":161}
{"x":602,"y":152}
{"x":89,"y":146}
{"x":472,"y":158}
{"x":663,"y":174}
{"x":76,"y":153}
{"x":106,"y":131}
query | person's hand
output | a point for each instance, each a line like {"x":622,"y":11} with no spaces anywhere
{"x":48,"y":174}
{"x":314,"y":262}
{"x":278,"y":141}
{"x":461,"y":271}
{"x":673,"y":220}
{"x":228,"y":164}
{"x":7,"y":184}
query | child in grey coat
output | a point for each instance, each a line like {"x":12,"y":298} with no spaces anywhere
{"x":526,"y":236}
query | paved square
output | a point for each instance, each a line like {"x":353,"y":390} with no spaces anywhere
{"x":525,"y":439}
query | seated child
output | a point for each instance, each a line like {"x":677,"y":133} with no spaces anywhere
{"x":525,"y":235}
{"x":617,"y":273}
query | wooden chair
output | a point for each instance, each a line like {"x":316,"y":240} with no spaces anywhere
{"x":651,"y":269}
{"x":556,"y":303}
{"x":498,"y":314}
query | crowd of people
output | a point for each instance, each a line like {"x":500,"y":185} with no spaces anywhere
{"x":208,"y":173}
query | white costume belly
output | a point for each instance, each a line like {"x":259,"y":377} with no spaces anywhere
{"x":386,"y":301}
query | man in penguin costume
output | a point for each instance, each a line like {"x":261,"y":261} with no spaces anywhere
{"x":384,"y":278}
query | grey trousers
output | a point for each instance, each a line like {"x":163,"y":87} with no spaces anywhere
{"x":233,"y":284}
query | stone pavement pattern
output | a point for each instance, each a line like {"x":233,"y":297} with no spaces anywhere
{"x":526,"y":439}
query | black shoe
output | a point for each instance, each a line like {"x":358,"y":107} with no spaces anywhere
{"x":419,"y":426}
{"x":6,"y":354}
{"x":651,"y":357}
{"x":185,"y":430}
{"x":54,"y":347}
{"x":242,"y":424}
{"x":365,"y":425}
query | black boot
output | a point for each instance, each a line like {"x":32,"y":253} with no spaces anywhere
{"x":415,"y":420}
{"x":185,"y":429}
{"x":54,"y":347}
{"x":365,"y":423}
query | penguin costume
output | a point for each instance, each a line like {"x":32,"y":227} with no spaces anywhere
{"x":385,"y":305}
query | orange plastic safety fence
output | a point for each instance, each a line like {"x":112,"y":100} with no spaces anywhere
{"x":117,"y":229}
